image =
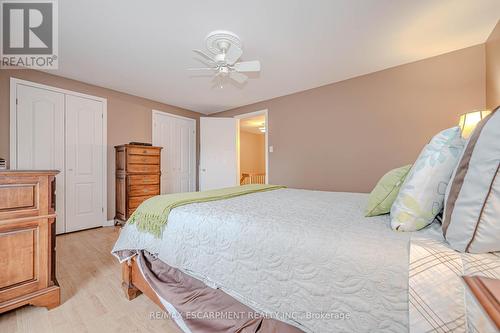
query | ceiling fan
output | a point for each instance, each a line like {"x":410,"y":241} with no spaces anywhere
{"x":224,"y":50}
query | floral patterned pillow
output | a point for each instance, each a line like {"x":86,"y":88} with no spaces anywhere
{"x":422,"y":194}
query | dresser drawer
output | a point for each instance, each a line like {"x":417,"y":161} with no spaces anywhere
{"x":143,"y":151}
{"x":143,"y":168}
{"x":20,"y":197}
{"x":143,"y":159}
{"x":18,"y":248}
{"x":142,"y":190}
{"x":24,"y":263}
{"x":143,"y":180}
{"x":134,"y":202}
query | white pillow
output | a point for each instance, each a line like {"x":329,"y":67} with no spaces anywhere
{"x":422,"y":194}
{"x":471,"y":221}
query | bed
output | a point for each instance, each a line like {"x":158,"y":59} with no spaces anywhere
{"x":308,"y":260}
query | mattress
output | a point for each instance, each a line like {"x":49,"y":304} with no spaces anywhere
{"x":307,"y":258}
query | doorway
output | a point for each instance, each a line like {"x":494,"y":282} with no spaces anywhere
{"x":253,"y":154}
{"x":226,"y":158}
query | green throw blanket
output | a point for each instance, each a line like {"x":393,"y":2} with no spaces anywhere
{"x":153,"y":213}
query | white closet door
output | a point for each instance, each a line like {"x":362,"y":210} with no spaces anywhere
{"x":178,"y":157}
{"x":40,"y":137}
{"x":84,"y":163}
{"x":162,"y":129}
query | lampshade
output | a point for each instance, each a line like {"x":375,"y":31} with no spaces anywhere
{"x":469,"y":120}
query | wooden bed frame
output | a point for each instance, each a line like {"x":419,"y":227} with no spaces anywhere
{"x":134,"y":283}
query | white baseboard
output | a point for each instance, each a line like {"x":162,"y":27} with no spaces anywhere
{"x":108,"y":223}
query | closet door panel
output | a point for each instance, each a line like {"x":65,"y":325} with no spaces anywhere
{"x":163,"y":136}
{"x":40,"y":137}
{"x":177,"y":137}
{"x":84,"y":163}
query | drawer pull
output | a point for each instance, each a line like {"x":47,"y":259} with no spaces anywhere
{"x":144,"y":151}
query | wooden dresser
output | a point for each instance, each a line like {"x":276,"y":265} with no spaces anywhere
{"x":137,"y":177}
{"x":27,"y":239}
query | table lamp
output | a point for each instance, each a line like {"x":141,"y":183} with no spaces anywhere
{"x":469,"y":120}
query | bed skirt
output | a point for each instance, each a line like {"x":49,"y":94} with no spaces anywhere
{"x":196,"y":307}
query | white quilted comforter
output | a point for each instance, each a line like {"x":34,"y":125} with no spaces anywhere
{"x":308,"y":258}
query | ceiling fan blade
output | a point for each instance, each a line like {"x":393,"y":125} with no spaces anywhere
{"x":247,"y":66}
{"x":204,"y":55}
{"x":238,"y":77}
{"x":233,"y":54}
{"x":205,"y":63}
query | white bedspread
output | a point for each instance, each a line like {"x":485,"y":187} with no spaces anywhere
{"x":309,"y":258}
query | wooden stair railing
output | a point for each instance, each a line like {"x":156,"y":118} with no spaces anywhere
{"x":252,"y":178}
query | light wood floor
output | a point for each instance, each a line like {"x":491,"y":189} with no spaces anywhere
{"x":92,"y":299}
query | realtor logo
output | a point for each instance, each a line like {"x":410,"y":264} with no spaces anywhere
{"x":29,"y":34}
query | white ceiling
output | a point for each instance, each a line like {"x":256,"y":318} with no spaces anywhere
{"x":143,"y":47}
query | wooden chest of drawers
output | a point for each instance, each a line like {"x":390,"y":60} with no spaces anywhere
{"x":27,"y":239}
{"x":137,"y":177}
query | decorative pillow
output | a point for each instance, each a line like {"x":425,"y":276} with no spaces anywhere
{"x":471,"y":220}
{"x":385,"y":192}
{"x":422,"y":194}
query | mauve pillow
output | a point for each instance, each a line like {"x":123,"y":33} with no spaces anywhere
{"x":471,"y":221}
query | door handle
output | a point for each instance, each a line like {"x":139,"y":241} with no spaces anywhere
{"x":203,"y":170}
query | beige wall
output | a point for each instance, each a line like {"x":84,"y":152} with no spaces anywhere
{"x":345,"y":136}
{"x":129,"y":117}
{"x":493,"y":69}
{"x":252,"y":152}
{"x":339,"y":137}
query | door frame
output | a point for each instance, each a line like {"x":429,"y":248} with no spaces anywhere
{"x":14,"y":82}
{"x":266,"y":124}
{"x":193,"y":154}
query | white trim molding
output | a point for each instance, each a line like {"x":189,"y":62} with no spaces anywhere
{"x":171,"y":115}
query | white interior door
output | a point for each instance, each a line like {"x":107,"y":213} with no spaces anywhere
{"x":219,"y":162}
{"x":84,"y":163}
{"x":40,"y":137}
{"x":177,"y":136}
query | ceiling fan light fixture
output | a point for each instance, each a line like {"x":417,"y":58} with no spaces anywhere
{"x":224,"y":50}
